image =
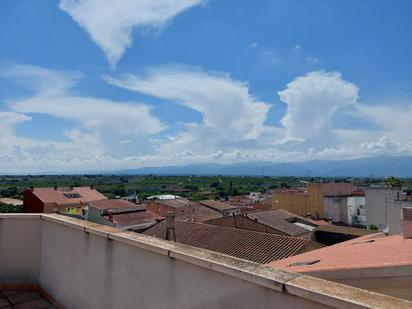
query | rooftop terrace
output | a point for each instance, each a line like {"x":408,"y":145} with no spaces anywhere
{"x":87,"y":265}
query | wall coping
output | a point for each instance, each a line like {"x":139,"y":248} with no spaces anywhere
{"x":314,"y":289}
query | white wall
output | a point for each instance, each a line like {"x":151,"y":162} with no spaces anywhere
{"x":86,"y":265}
{"x":336,"y":208}
{"x":382,"y":207}
{"x":20,"y":248}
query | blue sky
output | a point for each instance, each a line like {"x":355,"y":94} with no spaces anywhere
{"x":87,"y":85}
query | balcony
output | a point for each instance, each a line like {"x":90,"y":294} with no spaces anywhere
{"x":78,"y":264}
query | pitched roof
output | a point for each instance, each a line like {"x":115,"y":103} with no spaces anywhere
{"x":249,"y":245}
{"x":338,"y":229}
{"x":112,"y":204}
{"x":220,"y":206}
{"x":207,"y":214}
{"x":279,"y":220}
{"x":68,"y":196}
{"x":371,"y":251}
{"x":134,"y":218}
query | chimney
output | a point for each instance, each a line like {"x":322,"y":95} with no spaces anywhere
{"x":110,"y":213}
{"x":170,"y":226}
{"x":55,"y":188}
{"x":31,"y":188}
{"x":407,"y":222}
{"x":91,"y":187}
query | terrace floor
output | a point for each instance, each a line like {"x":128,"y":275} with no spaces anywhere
{"x":23,"y":300}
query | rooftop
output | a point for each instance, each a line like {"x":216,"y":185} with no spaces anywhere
{"x":176,"y":203}
{"x":281,"y":220}
{"x":68,"y":196}
{"x":87,"y":265}
{"x":249,"y":245}
{"x":371,"y":251}
{"x":112,"y":204}
{"x":338,"y":229}
{"x":220,"y":206}
{"x":206,"y":214}
{"x":142,"y":217}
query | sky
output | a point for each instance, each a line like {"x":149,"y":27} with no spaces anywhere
{"x":92,"y":85}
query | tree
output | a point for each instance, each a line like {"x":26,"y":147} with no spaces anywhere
{"x":393,"y":182}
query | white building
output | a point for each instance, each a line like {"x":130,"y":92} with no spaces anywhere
{"x":345,"y":209}
{"x":383,"y":208}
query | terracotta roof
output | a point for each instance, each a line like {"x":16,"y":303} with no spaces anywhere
{"x":68,"y":196}
{"x":112,"y":204}
{"x":134,"y":218}
{"x":220,"y":206}
{"x":371,"y":251}
{"x":280,"y":220}
{"x":249,"y":245}
{"x":207,"y":214}
{"x":338,"y":229}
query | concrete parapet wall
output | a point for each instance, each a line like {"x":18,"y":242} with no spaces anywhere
{"x":87,"y":265}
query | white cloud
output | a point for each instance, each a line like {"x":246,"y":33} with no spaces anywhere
{"x":297,"y":47}
{"x":108,"y":134}
{"x":254,"y":45}
{"x":119,"y":118}
{"x":100,"y":125}
{"x":8,"y":120}
{"x":110,"y":23}
{"x":312,"y":101}
{"x":394,"y":120}
{"x":53,"y":96}
{"x":226,"y":104}
{"x":313,"y":59}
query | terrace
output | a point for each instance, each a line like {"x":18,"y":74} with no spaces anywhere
{"x":78,"y":264}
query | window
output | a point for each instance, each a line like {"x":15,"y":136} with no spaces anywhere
{"x":72,"y":195}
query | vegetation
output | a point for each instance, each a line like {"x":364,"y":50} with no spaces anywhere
{"x":373,"y":227}
{"x":10,"y":208}
{"x":195,"y":187}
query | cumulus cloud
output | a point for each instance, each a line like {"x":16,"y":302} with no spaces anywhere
{"x":312,"y":100}
{"x":108,"y":134}
{"x":226,"y":104}
{"x":110,"y":23}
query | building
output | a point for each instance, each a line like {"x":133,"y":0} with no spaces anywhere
{"x":374,"y":262}
{"x":248,"y":245}
{"x":312,"y":200}
{"x":383,"y":208}
{"x":66,"y":200}
{"x":223,"y":208}
{"x":78,"y":264}
{"x":333,"y":234}
{"x":182,"y":208}
{"x":277,"y":221}
{"x":349,"y":210}
{"x":300,"y":202}
{"x":121,"y":214}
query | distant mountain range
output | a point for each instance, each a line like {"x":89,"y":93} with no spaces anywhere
{"x":379,"y":166}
